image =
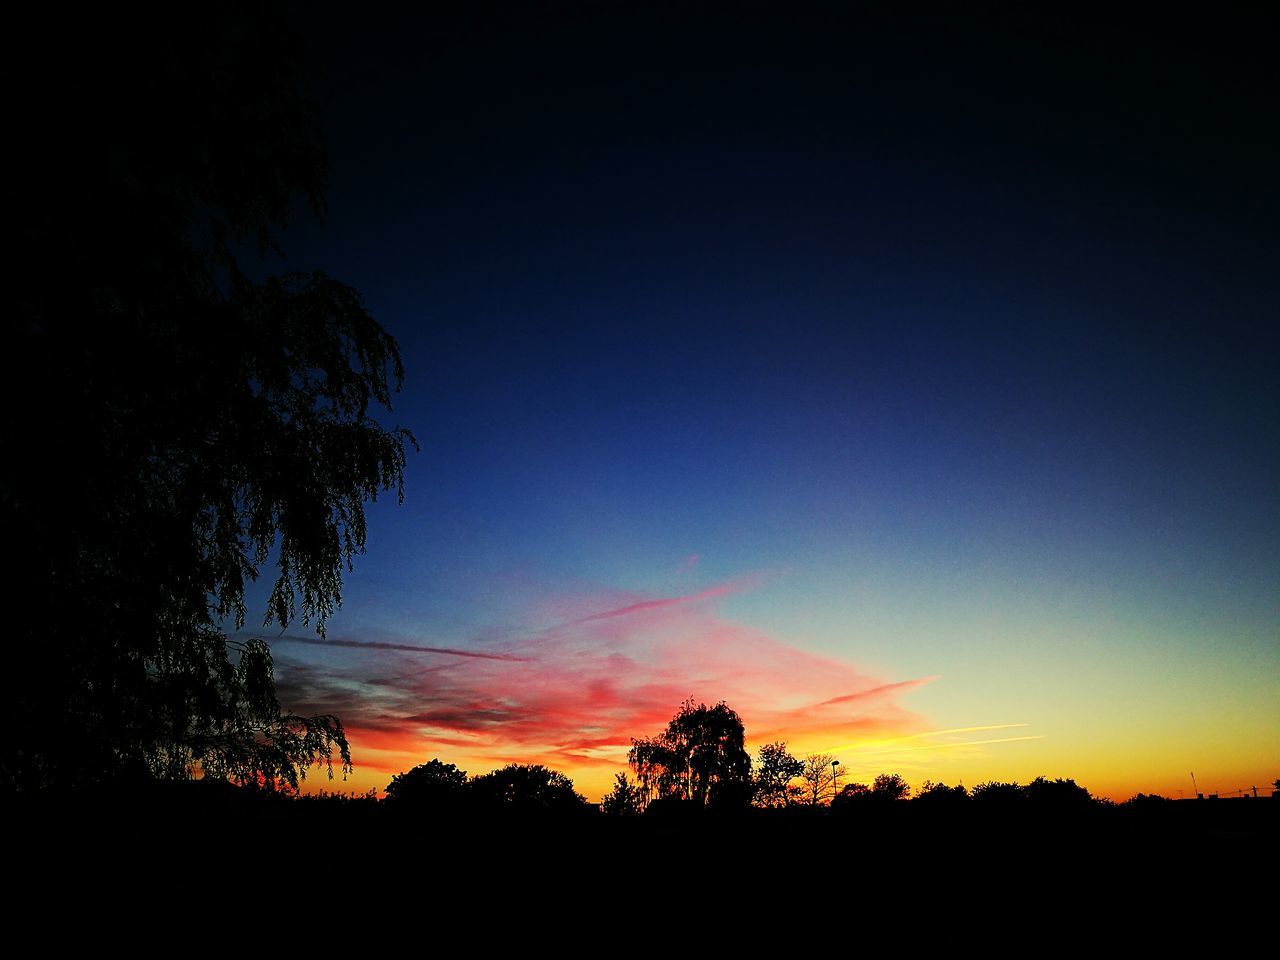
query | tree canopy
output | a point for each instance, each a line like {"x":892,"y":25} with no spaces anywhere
{"x":181,"y":424}
{"x":523,"y":788}
{"x":775,"y":769}
{"x":699,"y":757}
{"x":624,"y":800}
{"x":1061,"y":793}
{"x":940,"y":793}
{"x":849,"y":795}
{"x":820,"y":774}
{"x":890,"y":786}
{"x":994,"y":792}
{"x":886,"y":787}
{"x":433,"y":784}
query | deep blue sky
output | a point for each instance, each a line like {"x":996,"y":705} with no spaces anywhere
{"x":958,"y":333}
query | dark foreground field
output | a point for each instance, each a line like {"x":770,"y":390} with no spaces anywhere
{"x":168,"y":873}
{"x":220,"y":836}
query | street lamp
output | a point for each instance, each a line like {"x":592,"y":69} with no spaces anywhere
{"x":834,"y":764}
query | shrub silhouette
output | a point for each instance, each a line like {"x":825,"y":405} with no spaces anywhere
{"x":1059,"y":794}
{"x":939,"y":793}
{"x":434,"y":785}
{"x":524,"y":789}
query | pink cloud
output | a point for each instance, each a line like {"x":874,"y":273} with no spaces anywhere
{"x":575,"y":695}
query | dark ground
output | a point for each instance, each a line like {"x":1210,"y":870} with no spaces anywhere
{"x":222,"y":832}
{"x":173,"y":869}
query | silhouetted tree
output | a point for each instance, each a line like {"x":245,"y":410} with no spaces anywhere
{"x":821,"y":776}
{"x":524,"y":789}
{"x":774,"y":770}
{"x":700,"y":756}
{"x":852,"y":795}
{"x":660,"y":771}
{"x":1145,"y":801}
{"x":1057,"y":793}
{"x":939,"y":793}
{"x":624,"y":800}
{"x":189,"y":422}
{"x":887,"y":787}
{"x":434,"y":784}
{"x":996,"y":792}
{"x":890,"y":786}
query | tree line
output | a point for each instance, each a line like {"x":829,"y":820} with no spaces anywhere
{"x":699,"y":763}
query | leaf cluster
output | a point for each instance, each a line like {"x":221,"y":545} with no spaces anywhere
{"x":699,"y":755}
{"x":182,"y":424}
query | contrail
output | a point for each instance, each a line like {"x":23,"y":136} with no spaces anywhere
{"x":876,"y":691}
{"x":889,"y":744}
{"x":720,"y":591}
{"x":938,"y":733}
{"x":964,"y":743}
{"x":402,"y":647}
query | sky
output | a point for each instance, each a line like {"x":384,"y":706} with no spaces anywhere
{"x":906,"y":382}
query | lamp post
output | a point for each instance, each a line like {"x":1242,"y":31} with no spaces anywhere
{"x":834,"y":764}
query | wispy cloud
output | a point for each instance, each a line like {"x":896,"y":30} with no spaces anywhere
{"x":934,"y":736}
{"x":966,"y":743}
{"x":883,"y":689}
{"x":387,"y":645}
{"x":925,"y":750}
{"x":644,"y":606}
{"x":574,"y":695}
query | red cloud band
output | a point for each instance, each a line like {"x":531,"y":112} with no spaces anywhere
{"x":574,"y":696}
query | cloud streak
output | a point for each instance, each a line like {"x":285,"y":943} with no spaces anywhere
{"x":399,"y":647}
{"x":645,"y":606}
{"x":573,"y":696}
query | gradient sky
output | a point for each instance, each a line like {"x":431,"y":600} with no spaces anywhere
{"x":909,"y":385}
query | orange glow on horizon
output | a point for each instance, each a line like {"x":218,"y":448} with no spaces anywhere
{"x":614,"y":668}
